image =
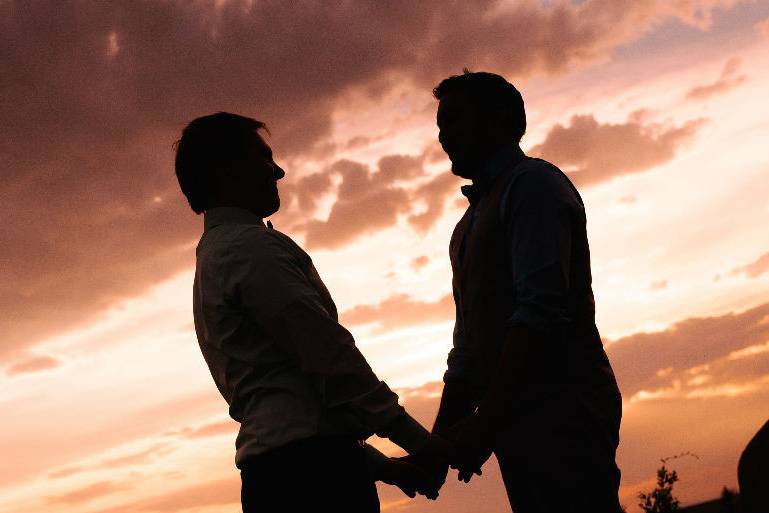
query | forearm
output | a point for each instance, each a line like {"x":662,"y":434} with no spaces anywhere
{"x":514,"y":363}
{"x":456,"y":403}
{"x":376,"y":462}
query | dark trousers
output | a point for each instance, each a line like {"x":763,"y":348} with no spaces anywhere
{"x":560,"y":457}
{"x":313,"y":475}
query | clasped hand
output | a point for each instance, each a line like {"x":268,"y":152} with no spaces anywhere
{"x":464,"y":446}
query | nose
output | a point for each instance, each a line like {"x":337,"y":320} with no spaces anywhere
{"x":279,"y":173}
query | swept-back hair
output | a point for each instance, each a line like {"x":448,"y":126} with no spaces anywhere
{"x":207,"y":145}
{"x":488,"y":91}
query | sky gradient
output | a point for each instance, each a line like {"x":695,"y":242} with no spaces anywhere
{"x":657,"y":109}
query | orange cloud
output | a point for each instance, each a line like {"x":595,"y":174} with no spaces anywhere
{"x":135,"y":458}
{"x":419,"y":262}
{"x":763,"y":27}
{"x":685,"y":347}
{"x":593,"y":152}
{"x":87,"y":493}
{"x":753,"y":269}
{"x":728,"y":80}
{"x":226,"y":427}
{"x":399,"y":311}
{"x":33,"y":364}
{"x":221,"y":492}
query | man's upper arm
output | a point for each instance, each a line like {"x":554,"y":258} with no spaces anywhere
{"x":458,"y":361}
{"x":265,"y":277}
{"x":539,"y":216}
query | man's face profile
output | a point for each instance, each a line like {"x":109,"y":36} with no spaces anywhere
{"x":460,"y":133}
{"x":257,"y":177}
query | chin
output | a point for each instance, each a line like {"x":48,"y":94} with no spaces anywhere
{"x":462,"y":171}
{"x":268,"y":211}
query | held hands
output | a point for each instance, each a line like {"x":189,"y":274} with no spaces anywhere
{"x":410,"y":478}
{"x":472,"y":439}
{"x":465,"y":446}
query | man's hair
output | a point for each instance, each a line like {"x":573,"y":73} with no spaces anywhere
{"x":488,"y":91}
{"x":209,"y":144}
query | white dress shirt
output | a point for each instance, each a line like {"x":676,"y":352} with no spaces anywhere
{"x":268,"y":330}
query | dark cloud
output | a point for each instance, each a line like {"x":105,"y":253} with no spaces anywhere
{"x":89,"y":115}
{"x":400,"y":311}
{"x":594,"y":152}
{"x":688,"y":344}
{"x":33,"y":364}
{"x":368,"y":201}
{"x":365,"y":203}
{"x":728,"y":80}
{"x":753,"y":269}
{"x":434,"y":194}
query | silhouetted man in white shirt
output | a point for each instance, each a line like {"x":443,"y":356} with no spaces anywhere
{"x":303,"y":394}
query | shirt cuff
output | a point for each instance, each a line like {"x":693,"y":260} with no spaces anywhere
{"x":407,"y":433}
{"x":538,"y":317}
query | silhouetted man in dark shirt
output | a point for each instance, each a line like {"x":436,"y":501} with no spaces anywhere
{"x":527,"y":378}
{"x":753,"y":473}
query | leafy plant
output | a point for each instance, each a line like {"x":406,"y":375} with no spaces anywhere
{"x":661,"y":499}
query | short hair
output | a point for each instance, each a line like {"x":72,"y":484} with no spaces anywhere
{"x":208,"y":144}
{"x":489,"y":91}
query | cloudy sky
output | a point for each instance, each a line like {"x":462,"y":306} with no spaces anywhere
{"x":657,"y":109}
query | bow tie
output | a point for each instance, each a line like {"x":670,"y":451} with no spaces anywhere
{"x":472,"y":193}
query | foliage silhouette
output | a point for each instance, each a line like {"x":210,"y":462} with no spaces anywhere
{"x":661,"y":499}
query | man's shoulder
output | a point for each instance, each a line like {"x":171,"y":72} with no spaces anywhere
{"x":237,"y":241}
{"x":539,"y":175}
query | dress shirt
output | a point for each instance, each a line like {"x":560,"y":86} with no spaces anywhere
{"x":268,"y":330}
{"x":536,"y":211}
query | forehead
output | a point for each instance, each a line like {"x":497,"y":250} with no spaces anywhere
{"x":452,"y":105}
{"x":259,"y":144}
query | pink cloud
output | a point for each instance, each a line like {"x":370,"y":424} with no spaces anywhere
{"x":399,"y":311}
{"x":753,"y":269}
{"x":594,"y":152}
{"x":33,"y":364}
{"x":226,"y":427}
{"x":419,"y":262}
{"x":727,"y":81}
{"x":87,"y":493}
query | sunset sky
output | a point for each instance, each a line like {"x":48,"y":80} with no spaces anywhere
{"x":658,"y":108}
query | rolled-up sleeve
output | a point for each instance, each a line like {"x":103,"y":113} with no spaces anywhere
{"x":269,"y":283}
{"x":459,"y":360}
{"x":539,"y":212}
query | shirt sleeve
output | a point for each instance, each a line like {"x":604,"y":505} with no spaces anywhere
{"x":459,"y":359}
{"x":538,"y":214}
{"x":270,"y":284}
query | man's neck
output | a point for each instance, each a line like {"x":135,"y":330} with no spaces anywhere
{"x":495,"y":163}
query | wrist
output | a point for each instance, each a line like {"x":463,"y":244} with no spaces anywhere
{"x":409,"y":434}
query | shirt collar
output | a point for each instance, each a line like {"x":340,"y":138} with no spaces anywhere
{"x":229,"y":215}
{"x":502,"y":160}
